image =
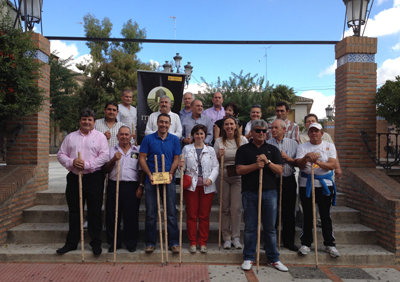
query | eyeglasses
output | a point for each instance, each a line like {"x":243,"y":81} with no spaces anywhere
{"x":260,"y":130}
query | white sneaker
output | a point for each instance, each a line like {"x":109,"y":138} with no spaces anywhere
{"x":247,"y":264}
{"x":304,"y":250}
{"x":280,"y":266}
{"x":192,"y":249}
{"x":227,"y":244}
{"x":332,"y":251}
{"x":236,"y":243}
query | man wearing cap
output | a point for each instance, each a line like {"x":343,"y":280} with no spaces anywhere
{"x":321,"y":155}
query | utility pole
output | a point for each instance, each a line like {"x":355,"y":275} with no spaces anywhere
{"x":266,"y":63}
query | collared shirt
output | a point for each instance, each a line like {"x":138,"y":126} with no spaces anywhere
{"x":247,"y":155}
{"x":101,"y":125}
{"x":93,"y":148}
{"x":128,"y":164}
{"x":183,"y":114}
{"x":325,"y":137}
{"x":326,"y":150}
{"x":289,"y":146}
{"x":292,"y":130}
{"x":189,"y":122}
{"x":247,"y":128}
{"x":213,"y":114}
{"x":153,"y":145}
{"x":127,"y":116}
{"x":175,"y":128}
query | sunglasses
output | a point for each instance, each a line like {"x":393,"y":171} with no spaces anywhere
{"x":260,"y":130}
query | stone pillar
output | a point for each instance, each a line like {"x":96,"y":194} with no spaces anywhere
{"x":32,"y":143}
{"x":355,"y":108}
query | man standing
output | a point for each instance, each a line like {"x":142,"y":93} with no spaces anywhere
{"x":197,"y":117}
{"x":127,"y":113}
{"x":158,"y":143}
{"x":129,"y":191}
{"x":93,"y":147}
{"x":255,"y":113}
{"x":250,"y":158}
{"x":187,"y":110}
{"x":288,"y":149}
{"x":109,"y":125}
{"x":217,"y":111}
{"x":292,"y":129}
{"x":322,"y":156}
{"x":165,"y":108}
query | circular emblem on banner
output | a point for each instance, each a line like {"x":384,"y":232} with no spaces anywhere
{"x":153,"y":99}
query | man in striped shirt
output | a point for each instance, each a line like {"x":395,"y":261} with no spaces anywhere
{"x":288,"y":149}
{"x":292,"y":129}
{"x":109,"y":125}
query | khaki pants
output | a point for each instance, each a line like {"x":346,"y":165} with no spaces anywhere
{"x":231,"y":207}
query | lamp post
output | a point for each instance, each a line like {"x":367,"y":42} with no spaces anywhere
{"x":188,"y":72}
{"x":177,"y":60}
{"x":30,"y":12}
{"x":329,"y":112}
{"x":356,"y":14}
{"x":188,"y":68}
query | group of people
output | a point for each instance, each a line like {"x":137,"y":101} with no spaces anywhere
{"x":200,"y":142}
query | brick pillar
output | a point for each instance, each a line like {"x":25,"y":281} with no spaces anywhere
{"x":32,"y":143}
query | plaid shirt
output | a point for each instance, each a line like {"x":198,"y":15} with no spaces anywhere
{"x":292,"y":131}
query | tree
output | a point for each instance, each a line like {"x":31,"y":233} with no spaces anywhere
{"x":387,"y":101}
{"x":247,"y":90}
{"x":114,"y":66}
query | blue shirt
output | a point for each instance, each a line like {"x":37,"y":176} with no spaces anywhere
{"x":153,"y":145}
{"x":183,"y":114}
{"x":189,"y":122}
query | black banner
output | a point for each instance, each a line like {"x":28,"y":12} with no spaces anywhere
{"x":151,"y":86}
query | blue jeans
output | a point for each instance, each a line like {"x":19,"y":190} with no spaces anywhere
{"x":152,"y":214}
{"x":269,"y":207}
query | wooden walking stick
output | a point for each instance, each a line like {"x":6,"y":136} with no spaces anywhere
{"x":260,"y":180}
{"x":81,"y":212}
{"x":280,"y":213}
{"x":221,"y":189}
{"x":314,"y":215}
{"x":180,"y":215}
{"x":165,"y":211}
{"x":116,"y":214}
{"x":159,"y":214}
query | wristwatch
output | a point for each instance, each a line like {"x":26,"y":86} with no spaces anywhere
{"x":269,"y":162}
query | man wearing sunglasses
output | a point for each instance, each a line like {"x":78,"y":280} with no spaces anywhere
{"x":249,"y":159}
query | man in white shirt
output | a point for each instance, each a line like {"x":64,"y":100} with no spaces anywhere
{"x":127,"y":113}
{"x":165,"y":108}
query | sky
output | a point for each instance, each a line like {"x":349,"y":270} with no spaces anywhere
{"x":309,"y":69}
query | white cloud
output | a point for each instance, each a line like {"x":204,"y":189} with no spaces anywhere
{"x":62,"y":50}
{"x":84,"y":59}
{"x":328,"y":71}
{"x":196,"y":88}
{"x":385,"y":22}
{"x":388,"y":71}
{"x":381,"y":2}
{"x":320,"y":102}
{"x":154,"y":64}
{"x":396,"y":47}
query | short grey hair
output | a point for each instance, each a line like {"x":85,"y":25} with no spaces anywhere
{"x":188,"y":93}
{"x":165,"y":97}
{"x":124,"y":126}
{"x":258,"y":123}
{"x":281,"y":122}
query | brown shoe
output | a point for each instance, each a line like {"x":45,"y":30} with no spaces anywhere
{"x":175,"y":249}
{"x":149,"y":249}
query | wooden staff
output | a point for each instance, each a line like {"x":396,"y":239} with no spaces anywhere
{"x":116,"y":213}
{"x":260,"y":180}
{"x":159,"y":214}
{"x":314,"y":215}
{"x":165,"y":211}
{"x":280,"y":212}
{"x":221,"y":189}
{"x":180,"y":215}
{"x":81,"y":212}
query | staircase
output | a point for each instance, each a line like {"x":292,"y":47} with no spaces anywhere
{"x":45,"y":226}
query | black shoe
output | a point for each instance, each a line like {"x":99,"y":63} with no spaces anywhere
{"x":96,"y":250}
{"x":65,"y":249}
{"x":292,"y":247}
{"x":131,"y":249}
{"x":111,"y":248}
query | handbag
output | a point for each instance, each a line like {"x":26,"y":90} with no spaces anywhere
{"x":231,"y":170}
{"x":187,"y":181}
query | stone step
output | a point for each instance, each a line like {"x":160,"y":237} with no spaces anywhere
{"x":59,"y":213}
{"x":38,"y":233}
{"x":350,"y":255}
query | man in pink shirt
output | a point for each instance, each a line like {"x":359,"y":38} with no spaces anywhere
{"x":93,"y":147}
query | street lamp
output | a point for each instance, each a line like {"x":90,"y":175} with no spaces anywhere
{"x":188,"y":72}
{"x":30,"y":12}
{"x":356,"y":11}
{"x":167,"y":67}
{"x":177,"y":60}
{"x":329,"y":112}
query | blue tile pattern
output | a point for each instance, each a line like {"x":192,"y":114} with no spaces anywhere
{"x":41,"y":56}
{"x":356,"y":58}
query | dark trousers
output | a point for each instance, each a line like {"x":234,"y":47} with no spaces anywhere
{"x":92,"y":193}
{"x":127,"y":209}
{"x":289,"y":186}
{"x":324,"y":207}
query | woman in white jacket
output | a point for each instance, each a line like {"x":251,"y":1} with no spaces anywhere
{"x":202,"y":165}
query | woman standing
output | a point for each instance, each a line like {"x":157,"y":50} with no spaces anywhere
{"x":231,"y":139}
{"x":202,"y":166}
{"x":231,"y":110}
